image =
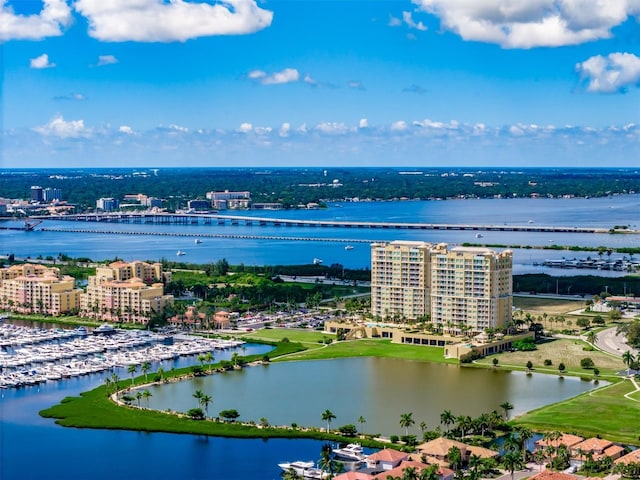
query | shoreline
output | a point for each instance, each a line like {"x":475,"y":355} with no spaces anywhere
{"x":132,"y":417}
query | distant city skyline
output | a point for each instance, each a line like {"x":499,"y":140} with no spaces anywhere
{"x":419,"y":83}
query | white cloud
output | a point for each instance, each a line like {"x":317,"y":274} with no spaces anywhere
{"x":106,"y":60}
{"x":177,"y":20}
{"x":178,"y":128}
{"x":41,"y":62}
{"x":610,"y":74}
{"x":286,"y":75}
{"x":408,"y":19}
{"x":256,"y":74}
{"x":531,"y":23}
{"x":398,"y":126}
{"x":309,"y":80}
{"x":54,"y":15}
{"x":126,"y":129}
{"x":363,"y":123}
{"x":59,"y":127}
{"x":356,"y":85}
{"x":245,"y":127}
{"x":394,"y":21}
{"x":332,"y":128}
{"x":72,"y":96}
{"x":285,"y":129}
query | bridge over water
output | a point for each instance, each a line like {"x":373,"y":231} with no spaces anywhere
{"x":217,"y":219}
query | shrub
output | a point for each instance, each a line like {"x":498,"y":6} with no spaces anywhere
{"x":586,"y":362}
{"x":284,"y":340}
{"x":394,"y":438}
{"x":348,"y":430}
{"x":230,"y":415}
{"x":409,"y":440}
{"x":470,"y":356}
{"x":548,"y":363}
{"x":197,"y":370}
{"x":525,"y":345}
{"x":196,"y":414}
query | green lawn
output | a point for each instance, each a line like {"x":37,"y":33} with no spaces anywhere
{"x":373,"y":348}
{"x":294,"y":335}
{"x":605,"y":412}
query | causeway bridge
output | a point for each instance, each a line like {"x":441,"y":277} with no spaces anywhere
{"x":217,"y":219}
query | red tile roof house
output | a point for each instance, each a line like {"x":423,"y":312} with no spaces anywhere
{"x":386,"y":459}
{"x":551,"y":475}
{"x":443,"y":473}
{"x":597,"y":447}
{"x":631,"y":457}
{"x":566,"y":439}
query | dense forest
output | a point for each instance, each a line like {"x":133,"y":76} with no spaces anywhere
{"x":302,"y":185}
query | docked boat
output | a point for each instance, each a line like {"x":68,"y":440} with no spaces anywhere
{"x":81,"y":331}
{"x":352,"y":452}
{"x":104,"y":329}
{"x":180,"y":253}
{"x":304,"y":469}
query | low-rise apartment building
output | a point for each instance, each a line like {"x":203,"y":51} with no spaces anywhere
{"x":32,"y":288}
{"x":129,"y":292}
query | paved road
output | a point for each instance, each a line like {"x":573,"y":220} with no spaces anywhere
{"x":608,"y":341}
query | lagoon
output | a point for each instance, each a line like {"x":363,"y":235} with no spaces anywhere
{"x":379,"y":389}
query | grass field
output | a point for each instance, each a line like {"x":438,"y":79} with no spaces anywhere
{"x":294,"y":335}
{"x":604,"y":412}
{"x":373,"y":348}
{"x":549,"y":305}
{"x":567,"y":351}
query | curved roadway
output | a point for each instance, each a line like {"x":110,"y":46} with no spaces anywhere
{"x":608,"y":341}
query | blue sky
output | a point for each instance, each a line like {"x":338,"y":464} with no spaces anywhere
{"x":320,"y":83}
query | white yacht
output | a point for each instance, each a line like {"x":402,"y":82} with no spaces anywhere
{"x":180,"y":253}
{"x":317,"y":261}
{"x":352,"y":452}
{"x":304,"y":469}
{"x":349,"y":247}
{"x":197,"y":241}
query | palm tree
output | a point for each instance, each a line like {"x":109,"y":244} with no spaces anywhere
{"x":138,"y":397}
{"x":447,"y":418}
{"x":506,"y":406}
{"x":539,"y":457}
{"x":234,"y":359}
{"x":146,"y":394}
{"x":512,"y":461}
{"x":205,"y":400}
{"x":524,"y":435}
{"x":209,"y":359}
{"x":406,"y":421}
{"x":107,"y":385}
{"x":592,"y":338}
{"x":161,"y":373}
{"x":198,"y":396}
{"x":327,"y":416}
{"x":326,"y":462}
{"x":475,"y":461}
{"x":628,"y":358}
{"x":145,"y":367}
{"x":454,"y":456}
{"x":132,"y":369}
{"x":409,"y":473}
{"x":361,"y":422}
{"x":114,"y":380}
{"x":429,"y":473}
{"x":423,"y":427}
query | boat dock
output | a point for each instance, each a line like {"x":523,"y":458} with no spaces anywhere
{"x":29,"y":356}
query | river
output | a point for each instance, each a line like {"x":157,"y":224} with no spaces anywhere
{"x":593,"y":212}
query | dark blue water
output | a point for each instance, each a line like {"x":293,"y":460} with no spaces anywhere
{"x":32,"y":447}
{"x":597,"y":212}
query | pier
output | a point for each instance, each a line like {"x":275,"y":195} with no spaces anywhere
{"x":234,"y":220}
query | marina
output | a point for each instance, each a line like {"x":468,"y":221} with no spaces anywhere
{"x":29,"y":356}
